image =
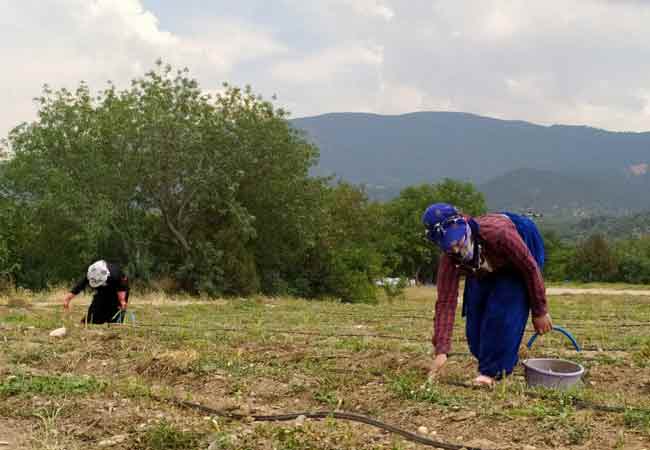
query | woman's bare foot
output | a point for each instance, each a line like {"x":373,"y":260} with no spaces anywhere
{"x":484,"y":380}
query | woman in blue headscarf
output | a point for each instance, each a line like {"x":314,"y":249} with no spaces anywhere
{"x":502,"y":257}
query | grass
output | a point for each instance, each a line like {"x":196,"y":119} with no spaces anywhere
{"x":251,"y":355}
{"x":641,"y":357}
{"x":31,"y":354}
{"x":165,"y":436}
{"x":637,"y":419}
{"x":411,"y":386}
{"x":22,"y":384}
{"x":47,"y":436}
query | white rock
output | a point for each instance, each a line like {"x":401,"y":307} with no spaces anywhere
{"x":300,"y":420}
{"x":113,"y":441}
{"x":59,"y":332}
{"x":423,"y":430}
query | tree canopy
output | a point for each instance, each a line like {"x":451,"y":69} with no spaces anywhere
{"x":214,"y":194}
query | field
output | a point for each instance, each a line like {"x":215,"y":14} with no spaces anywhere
{"x":114,"y":387}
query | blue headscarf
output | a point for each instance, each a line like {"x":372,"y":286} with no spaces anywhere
{"x":445,"y":226}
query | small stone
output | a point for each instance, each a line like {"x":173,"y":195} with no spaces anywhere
{"x":485,"y":443}
{"x":461,"y":417}
{"x":423,"y":430}
{"x":113,"y":441}
{"x":59,"y":332}
{"x":300,"y":420}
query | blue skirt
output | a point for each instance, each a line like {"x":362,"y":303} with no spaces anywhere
{"x":497,"y":309}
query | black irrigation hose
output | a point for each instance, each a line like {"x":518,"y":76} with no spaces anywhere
{"x":318,"y":415}
{"x":428,"y":316}
{"x":606,"y":326}
{"x":335,"y":370}
{"x":377,"y":318}
{"x":345,"y":314}
{"x":321,"y":415}
{"x":282,"y":331}
{"x":329,"y":335}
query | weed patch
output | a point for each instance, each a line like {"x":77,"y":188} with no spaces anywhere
{"x":637,"y":419}
{"x":165,"y":436}
{"x":49,"y":385}
{"x":410,"y":385}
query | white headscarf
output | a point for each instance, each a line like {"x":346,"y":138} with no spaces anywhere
{"x":98,"y":274}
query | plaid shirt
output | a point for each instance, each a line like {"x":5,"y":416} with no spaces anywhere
{"x":503,"y":249}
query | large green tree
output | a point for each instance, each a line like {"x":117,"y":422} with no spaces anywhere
{"x":345,"y":259}
{"x":634,"y":259}
{"x":594,"y":260}
{"x":166,"y":178}
{"x":558,"y":256}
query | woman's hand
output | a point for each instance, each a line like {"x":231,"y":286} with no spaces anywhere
{"x":66,"y":301}
{"x":543,"y":324}
{"x":121,"y":297}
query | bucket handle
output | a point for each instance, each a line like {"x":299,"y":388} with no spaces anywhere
{"x":561,"y":330}
{"x":123,"y":316}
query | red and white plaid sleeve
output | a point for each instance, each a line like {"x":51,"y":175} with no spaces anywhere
{"x":447,"y":286}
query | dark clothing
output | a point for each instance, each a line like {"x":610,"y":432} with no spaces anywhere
{"x":105,"y":306}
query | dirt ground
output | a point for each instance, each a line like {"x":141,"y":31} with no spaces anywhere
{"x":105,"y":387}
{"x":13,"y":434}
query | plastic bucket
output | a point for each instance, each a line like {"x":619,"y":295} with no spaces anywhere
{"x":550,"y":372}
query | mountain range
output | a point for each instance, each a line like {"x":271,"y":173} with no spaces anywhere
{"x":559,"y":170}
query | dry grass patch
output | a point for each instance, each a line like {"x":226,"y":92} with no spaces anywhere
{"x":169,"y":363}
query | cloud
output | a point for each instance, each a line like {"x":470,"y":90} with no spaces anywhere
{"x":67,"y":41}
{"x":549,"y":62}
{"x":328,"y":64}
{"x":582,"y":62}
{"x":370,"y":8}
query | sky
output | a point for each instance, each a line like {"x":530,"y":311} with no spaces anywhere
{"x":576,"y":62}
